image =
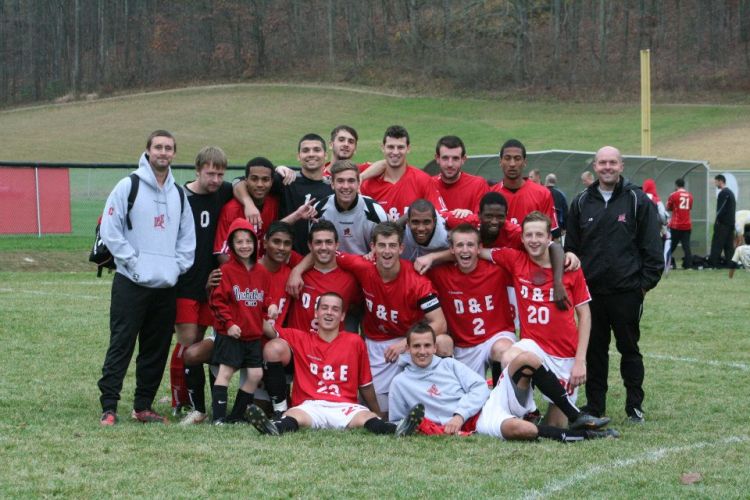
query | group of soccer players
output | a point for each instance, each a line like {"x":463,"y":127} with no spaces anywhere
{"x":310,"y":255}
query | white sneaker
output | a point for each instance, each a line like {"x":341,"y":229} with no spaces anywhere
{"x":194,"y":417}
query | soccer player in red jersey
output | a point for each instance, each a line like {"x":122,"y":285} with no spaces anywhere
{"x":343,"y":146}
{"x":401,"y":183}
{"x":495,"y":230}
{"x":523,"y":196}
{"x":459,"y":190}
{"x":680,"y":203}
{"x":547,"y":331}
{"x":330,"y":367}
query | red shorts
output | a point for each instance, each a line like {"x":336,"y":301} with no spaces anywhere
{"x":432,"y":428}
{"x":193,"y":312}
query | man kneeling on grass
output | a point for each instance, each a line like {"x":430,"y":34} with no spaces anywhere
{"x":329,"y":368}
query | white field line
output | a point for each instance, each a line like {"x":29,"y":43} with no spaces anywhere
{"x":647,"y":457}
{"x":711,"y":362}
{"x":47,"y":294}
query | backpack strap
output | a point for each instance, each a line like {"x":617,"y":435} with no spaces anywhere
{"x":182,"y":197}
{"x":134,"y":183}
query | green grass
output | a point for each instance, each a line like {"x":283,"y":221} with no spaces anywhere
{"x":55,"y":333}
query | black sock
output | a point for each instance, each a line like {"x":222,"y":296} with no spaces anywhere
{"x":211,"y":377}
{"x":287,"y":424}
{"x":195,"y":380}
{"x":546,"y":381}
{"x":497,"y":369}
{"x":241,"y":402}
{"x":274,"y":379}
{"x":558,"y":434}
{"x":219,"y":404}
{"x":376,"y":425}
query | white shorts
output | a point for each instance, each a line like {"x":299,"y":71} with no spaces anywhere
{"x":502,"y":405}
{"x":382,"y":371}
{"x":561,"y":367}
{"x":330,"y":415}
{"x":478,"y":357}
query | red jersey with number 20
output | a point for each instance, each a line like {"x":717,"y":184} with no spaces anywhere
{"x":476,"y":304}
{"x":541,"y":321}
{"x":328,"y":371}
{"x":390,"y":308}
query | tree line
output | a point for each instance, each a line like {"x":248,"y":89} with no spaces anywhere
{"x":54,"y":48}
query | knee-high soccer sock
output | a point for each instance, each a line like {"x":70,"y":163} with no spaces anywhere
{"x":558,"y":434}
{"x":274,"y":379}
{"x":497,"y":369}
{"x":219,"y":404}
{"x":377,"y":425}
{"x":211,"y":377}
{"x":195,"y":380}
{"x":287,"y":424}
{"x":546,"y":381}
{"x":177,"y":377}
{"x":241,"y":402}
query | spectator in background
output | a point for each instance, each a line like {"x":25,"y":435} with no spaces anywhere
{"x":535,"y":176}
{"x":680,"y":203}
{"x":561,"y":204}
{"x":741,"y":257}
{"x":587,"y":179}
{"x":649,"y":187}
{"x":723,"y":238}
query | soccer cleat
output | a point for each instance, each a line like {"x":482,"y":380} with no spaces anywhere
{"x":412,"y":420}
{"x":277,"y":415}
{"x":590,"y":422}
{"x":635,"y":416}
{"x":261,"y":422}
{"x":218,"y":422}
{"x":148,"y":417}
{"x":194,"y":417}
{"x":602,"y":434}
{"x":109,"y":418}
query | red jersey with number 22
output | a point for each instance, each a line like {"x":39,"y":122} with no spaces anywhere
{"x":541,"y":321}
{"x":328,"y":371}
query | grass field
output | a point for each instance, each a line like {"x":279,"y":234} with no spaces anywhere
{"x":697,"y":355}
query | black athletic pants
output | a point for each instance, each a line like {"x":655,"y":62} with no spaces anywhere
{"x":722,"y":240}
{"x":682,"y":236}
{"x":621,"y":313}
{"x":146,"y":315}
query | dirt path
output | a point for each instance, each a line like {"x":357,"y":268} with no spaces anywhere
{"x":727,"y":148}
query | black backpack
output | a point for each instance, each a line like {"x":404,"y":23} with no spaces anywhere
{"x":100,"y":254}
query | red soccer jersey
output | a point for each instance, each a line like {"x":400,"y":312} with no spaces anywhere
{"x":390,"y":308}
{"x":466,"y":192}
{"x":529,"y":197}
{"x":396,"y":198}
{"x":278,"y":286}
{"x":234,"y":210}
{"x":361,"y":166}
{"x":554,"y":330}
{"x":476,"y":304}
{"x":327,"y":371}
{"x":241,"y":299}
{"x":680,"y":203}
{"x":302,"y":310}
{"x":509,"y":236}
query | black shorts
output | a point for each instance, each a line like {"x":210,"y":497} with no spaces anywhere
{"x":237,"y":353}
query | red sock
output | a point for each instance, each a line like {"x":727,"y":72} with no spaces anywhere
{"x":177,"y":378}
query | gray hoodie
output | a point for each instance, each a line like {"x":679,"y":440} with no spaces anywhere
{"x":161,"y":245}
{"x":446,"y":387}
{"x":439,"y":241}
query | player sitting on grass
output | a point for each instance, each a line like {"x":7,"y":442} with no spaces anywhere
{"x":741,"y":257}
{"x":238,"y":304}
{"x":329,"y":368}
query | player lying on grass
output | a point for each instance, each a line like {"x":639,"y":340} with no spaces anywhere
{"x":330,"y":367}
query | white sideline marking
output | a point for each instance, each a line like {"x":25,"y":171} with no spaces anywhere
{"x":649,"y":456}
{"x":741,"y":366}
{"x":37,"y":292}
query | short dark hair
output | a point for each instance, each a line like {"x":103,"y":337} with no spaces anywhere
{"x":160,"y":133}
{"x":537,"y":216}
{"x":492,"y":198}
{"x":422,"y":205}
{"x":278,"y":226}
{"x":464,"y":229}
{"x":329,"y":294}
{"x":450,"y":142}
{"x":720,"y":177}
{"x":311,"y":137}
{"x":322,"y":225}
{"x":343,"y":166}
{"x":513,"y":143}
{"x":680,"y":183}
{"x":396,"y":132}
{"x":420,"y":327}
{"x":258,"y":161}
{"x":387,"y":229}
{"x":345,"y":128}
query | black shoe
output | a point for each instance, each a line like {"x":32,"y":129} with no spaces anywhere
{"x":277,"y":416}
{"x":260,"y":421}
{"x":586,"y":421}
{"x":218,"y":422}
{"x":635,"y":416}
{"x":412,"y":420}
{"x":603,"y":434}
{"x":591,"y":411}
